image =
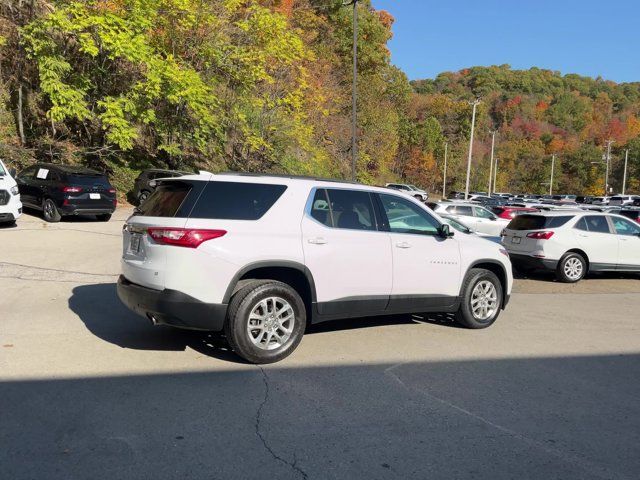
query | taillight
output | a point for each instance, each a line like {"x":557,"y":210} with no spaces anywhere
{"x":540,"y":235}
{"x":112,"y":190}
{"x":183,"y":237}
{"x":71,"y":189}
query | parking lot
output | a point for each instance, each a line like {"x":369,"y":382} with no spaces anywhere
{"x":90,"y":390}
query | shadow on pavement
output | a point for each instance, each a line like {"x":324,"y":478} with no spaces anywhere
{"x":104,"y":315}
{"x":532,"y":418}
{"x":107,"y":318}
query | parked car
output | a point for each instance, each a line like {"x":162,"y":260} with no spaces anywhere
{"x":454,"y":195}
{"x":636,"y":203}
{"x":462,"y":228}
{"x":488,"y":201}
{"x":260,"y":257}
{"x":509,"y":212}
{"x":476,"y":217}
{"x":621,"y":200}
{"x":61,"y":190}
{"x":584,"y":199}
{"x":412,"y":190}
{"x":10,"y":204}
{"x":145,"y":184}
{"x":632,"y":213}
{"x":600,"y":201}
{"x":573,"y":243}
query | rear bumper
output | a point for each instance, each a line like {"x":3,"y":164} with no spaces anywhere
{"x":527,"y":261}
{"x":79,"y":210}
{"x":170,"y":307}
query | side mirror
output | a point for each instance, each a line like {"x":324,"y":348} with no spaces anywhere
{"x":445,"y":231}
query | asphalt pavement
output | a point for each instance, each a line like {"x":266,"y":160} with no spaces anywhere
{"x":88,"y":390}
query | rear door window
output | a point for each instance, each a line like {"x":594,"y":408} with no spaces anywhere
{"x":352,"y":209}
{"x":320,"y":208}
{"x":236,"y":200}
{"x":598,"y":223}
{"x":483,"y":213}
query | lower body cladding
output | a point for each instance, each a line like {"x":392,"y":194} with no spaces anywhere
{"x":532,"y":263}
{"x":177,"y":309}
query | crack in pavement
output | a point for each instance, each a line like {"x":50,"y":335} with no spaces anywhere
{"x":32,"y":273}
{"x":293,"y":465}
{"x":49,"y":229}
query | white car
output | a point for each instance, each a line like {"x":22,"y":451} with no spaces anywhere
{"x":260,"y":257}
{"x":10,"y":204}
{"x":411,"y":190}
{"x":476,"y":217}
{"x":573,"y":243}
{"x":621,"y":200}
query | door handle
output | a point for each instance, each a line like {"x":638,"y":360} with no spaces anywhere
{"x":583,"y":235}
{"x":623,"y":239}
{"x":403,"y":245}
{"x":317,"y":241}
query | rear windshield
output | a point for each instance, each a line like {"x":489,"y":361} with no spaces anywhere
{"x":166,"y":200}
{"x":537,"y":222}
{"x":236,"y":200}
{"x":87,"y":180}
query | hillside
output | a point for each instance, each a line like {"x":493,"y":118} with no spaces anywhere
{"x":536,"y":113}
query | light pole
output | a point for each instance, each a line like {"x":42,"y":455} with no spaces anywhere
{"x":624,"y":177}
{"x":473,"y":124}
{"x":553,"y":164}
{"x":606,"y":176}
{"x":444,"y":177}
{"x":495,"y":175}
{"x":354,"y":93}
{"x":493,"y":142}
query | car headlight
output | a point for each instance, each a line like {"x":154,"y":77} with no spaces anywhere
{"x":14,"y":190}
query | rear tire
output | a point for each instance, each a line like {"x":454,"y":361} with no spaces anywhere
{"x":254,"y":328}
{"x":105,"y":217}
{"x":481,"y":299}
{"x":572,"y":268}
{"x":50,"y":211}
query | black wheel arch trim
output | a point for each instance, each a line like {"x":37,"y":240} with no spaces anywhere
{"x":474,"y":264}
{"x":270,"y":264}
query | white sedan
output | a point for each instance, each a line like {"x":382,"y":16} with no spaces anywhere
{"x":476,"y":217}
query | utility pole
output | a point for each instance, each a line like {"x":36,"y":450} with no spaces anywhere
{"x":624,"y":177}
{"x":493,"y":142}
{"x":473,"y":124}
{"x":444,"y":177}
{"x":553,"y":164}
{"x":354,"y":95}
{"x":606,"y":176}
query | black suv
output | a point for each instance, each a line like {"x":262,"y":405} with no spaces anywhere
{"x":60,"y":190}
{"x":145,"y":184}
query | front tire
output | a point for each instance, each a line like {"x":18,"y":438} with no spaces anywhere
{"x":572,"y":268}
{"x":481,"y":299}
{"x":50,"y":211}
{"x":265,"y":322}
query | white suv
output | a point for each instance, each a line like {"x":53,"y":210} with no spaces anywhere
{"x":10,"y":204}
{"x":412,"y":190}
{"x":573,"y":243}
{"x":260,"y":257}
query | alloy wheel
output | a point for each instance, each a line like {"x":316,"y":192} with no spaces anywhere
{"x":271,"y":323}
{"x":484,"y":300}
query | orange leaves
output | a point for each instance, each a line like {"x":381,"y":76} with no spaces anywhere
{"x":386,"y":18}
{"x":285,"y":7}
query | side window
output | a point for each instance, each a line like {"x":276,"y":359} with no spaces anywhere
{"x":352,"y":209}
{"x":625,"y":227}
{"x":483,"y":213}
{"x":582,"y":225}
{"x":405,"y":217}
{"x":320,"y":208}
{"x":463,"y":210}
{"x":598,"y":223}
{"x":27,"y":173}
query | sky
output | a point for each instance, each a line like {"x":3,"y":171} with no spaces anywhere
{"x":587,"y":37}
